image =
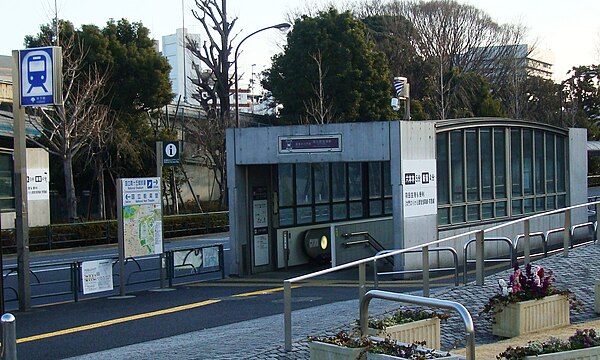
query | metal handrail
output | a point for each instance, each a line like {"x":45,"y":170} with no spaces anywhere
{"x":376,"y":272}
{"x":466,"y":260}
{"x":418,"y":300}
{"x":533,"y":234}
{"x":479,"y":264}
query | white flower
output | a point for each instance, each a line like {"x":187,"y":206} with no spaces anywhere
{"x":503,"y":287}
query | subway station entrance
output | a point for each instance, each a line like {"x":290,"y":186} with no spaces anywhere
{"x":339,"y":192}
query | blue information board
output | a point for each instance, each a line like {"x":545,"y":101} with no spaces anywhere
{"x":37,"y":76}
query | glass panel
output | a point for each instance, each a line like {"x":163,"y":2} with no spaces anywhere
{"x":458,"y":194}
{"x":487,"y":210}
{"x":387,"y":207}
{"x":303,"y":184}
{"x":355,"y":181}
{"x":561,"y":201}
{"x":375,"y":208}
{"x":500,"y":163}
{"x":338,"y":181}
{"x":550,"y":164}
{"x":356,"y":210}
{"x":286,"y":184}
{"x":527,"y":162}
{"x":528,"y":203}
{"x":540,"y":203}
{"x":322,"y":213}
{"x":304,"y":215}
{"x":442,"y":168}
{"x":501,"y":209}
{"x":560,"y":163}
{"x":472,"y":165}
{"x":539,"y":163}
{"x":486,"y":163}
{"x":387,"y":179}
{"x":321,"y":176}
{"x":339,"y":212}
{"x":473,"y":212}
{"x":7,"y":204}
{"x":517,"y":207}
{"x":444,"y":216}
{"x":286,"y":217}
{"x":374,"y":180}
{"x":458,"y":214}
{"x":515,"y":161}
{"x":551,"y":203}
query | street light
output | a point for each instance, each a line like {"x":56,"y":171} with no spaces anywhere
{"x":281,"y":27}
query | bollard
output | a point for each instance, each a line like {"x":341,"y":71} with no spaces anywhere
{"x":9,"y":337}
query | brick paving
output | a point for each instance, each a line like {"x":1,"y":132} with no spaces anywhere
{"x":263,"y":338}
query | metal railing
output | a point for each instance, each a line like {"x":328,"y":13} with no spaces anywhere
{"x":451,"y":250}
{"x":418,"y":300}
{"x":53,"y":285}
{"x":479,"y":259}
{"x":500,"y":239}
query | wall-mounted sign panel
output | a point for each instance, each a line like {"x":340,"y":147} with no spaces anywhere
{"x":419,"y":190}
{"x":40,"y":76}
{"x":38,"y":184}
{"x":309,"y":144}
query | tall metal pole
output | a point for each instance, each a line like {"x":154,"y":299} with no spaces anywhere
{"x":20,"y":186}
{"x":282,"y":26}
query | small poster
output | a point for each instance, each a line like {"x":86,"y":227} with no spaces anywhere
{"x":96,"y":276}
{"x":419,"y":190}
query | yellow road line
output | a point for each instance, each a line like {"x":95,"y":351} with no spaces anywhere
{"x":261,"y":292}
{"x":117,"y":321}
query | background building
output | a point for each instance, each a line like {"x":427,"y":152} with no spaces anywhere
{"x":520,"y":59}
{"x":173,"y":48}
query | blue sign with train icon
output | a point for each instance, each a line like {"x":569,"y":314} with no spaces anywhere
{"x":37,"y":76}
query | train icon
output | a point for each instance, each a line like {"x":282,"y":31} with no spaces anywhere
{"x":37,"y":72}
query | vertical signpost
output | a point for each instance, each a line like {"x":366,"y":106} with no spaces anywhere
{"x":139,"y":219}
{"x":37,"y":81}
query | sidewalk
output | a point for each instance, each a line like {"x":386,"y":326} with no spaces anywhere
{"x":264,"y":339}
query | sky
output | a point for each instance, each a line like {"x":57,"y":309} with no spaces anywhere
{"x":568,"y":29}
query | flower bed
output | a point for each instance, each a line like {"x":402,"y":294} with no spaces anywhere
{"x":583,"y":345}
{"x":528,"y":303}
{"x":344,"y":347}
{"x":410,"y":326}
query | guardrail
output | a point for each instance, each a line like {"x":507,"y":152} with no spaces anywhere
{"x":499,"y":239}
{"x":453,"y":252}
{"x":479,"y":259}
{"x":418,"y":300}
{"x":183,"y":263}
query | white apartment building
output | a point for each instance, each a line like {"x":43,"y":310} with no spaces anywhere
{"x":180,"y":59}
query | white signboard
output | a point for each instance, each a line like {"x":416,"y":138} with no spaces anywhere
{"x":261,"y":250}
{"x":259,"y":211}
{"x":38,"y":184}
{"x":419,"y":190}
{"x":141,"y":215}
{"x":96,"y":276}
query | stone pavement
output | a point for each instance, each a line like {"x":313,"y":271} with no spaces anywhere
{"x":263,"y":338}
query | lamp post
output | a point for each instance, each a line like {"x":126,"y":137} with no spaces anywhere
{"x":281,"y":27}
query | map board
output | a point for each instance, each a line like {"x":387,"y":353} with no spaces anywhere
{"x":140,"y":216}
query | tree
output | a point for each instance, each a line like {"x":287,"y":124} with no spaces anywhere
{"x":356,"y":85}
{"x":456,"y":38}
{"x":581,"y":94}
{"x":214,"y":82}
{"x":118,"y":70}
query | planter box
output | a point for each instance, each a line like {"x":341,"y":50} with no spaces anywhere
{"x":592,"y":353}
{"x":324,"y":351}
{"x":597,"y":296}
{"x":427,"y":330}
{"x":531,"y":316}
{"x":371,"y":356}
